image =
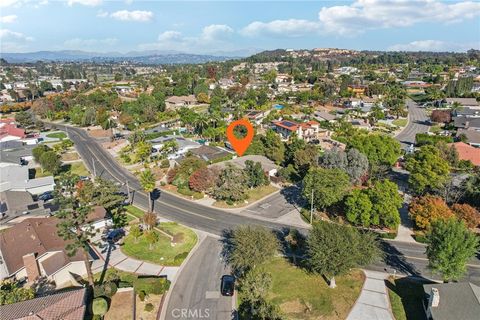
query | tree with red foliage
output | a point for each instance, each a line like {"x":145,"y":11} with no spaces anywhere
{"x":203,"y":179}
{"x":467,"y":213}
{"x":424,"y":210}
{"x":441,"y":116}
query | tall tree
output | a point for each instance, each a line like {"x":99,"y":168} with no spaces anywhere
{"x":427,"y":209}
{"x":328,"y":186}
{"x":73,"y":226}
{"x":334,"y":249}
{"x":255,"y":175}
{"x":147,"y":181}
{"x":450,"y":246}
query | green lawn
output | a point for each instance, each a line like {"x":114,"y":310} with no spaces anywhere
{"x":38,"y":173}
{"x":302,"y":295}
{"x":79,"y":169}
{"x":400,"y":122}
{"x":406,"y":298}
{"x":57,"y":135}
{"x":162,"y":253}
{"x":135,"y":211}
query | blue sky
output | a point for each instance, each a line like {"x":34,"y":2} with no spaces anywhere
{"x":214,"y":26}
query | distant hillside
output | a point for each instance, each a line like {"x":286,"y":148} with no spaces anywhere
{"x":145,"y":57}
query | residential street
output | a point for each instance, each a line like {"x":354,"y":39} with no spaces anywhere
{"x":417,"y":124}
{"x":197,"y":288}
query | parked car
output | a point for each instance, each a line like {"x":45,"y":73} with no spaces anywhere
{"x":227,"y":287}
{"x":46,"y":196}
{"x":113,"y":236}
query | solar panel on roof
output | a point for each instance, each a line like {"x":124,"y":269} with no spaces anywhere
{"x":289,"y":124}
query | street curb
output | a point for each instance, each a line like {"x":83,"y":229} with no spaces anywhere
{"x":180,"y":269}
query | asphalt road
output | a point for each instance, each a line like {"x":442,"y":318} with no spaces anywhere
{"x":417,"y":124}
{"x":197,"y":289}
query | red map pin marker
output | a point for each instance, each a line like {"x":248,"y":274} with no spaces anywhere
{"x":240,"y":145}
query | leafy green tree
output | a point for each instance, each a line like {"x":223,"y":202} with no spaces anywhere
{"x":39,"y":150}
{"x":147,"y":181}
{"x":256,"y":177}
{"x":353,"y":162}
{"x":152,"y":238}
{"x":12,"y":292}
{"x":334,"y":249}
{"x":143,"y":150}
{"x":329,"y":186}
{"x":395,"y":100}
{"x":450,"y":246}
{"x":50,"y":161}
{"x":428,"y":170}
{"x":386,"y":201}
{"x":231,"y":185}
{"x":380,"y":149}
{"x":256,"y":147}
{"x":24,"y":119}
{"x":274,"y":147}
{"x":305,"y":158}
{"x":358,"y":208}
{"x":250,"y":247}
{"x":136,"y":232}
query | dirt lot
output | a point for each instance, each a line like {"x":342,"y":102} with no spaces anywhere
{"x":121,"y":306}
{"x":148,"y":315}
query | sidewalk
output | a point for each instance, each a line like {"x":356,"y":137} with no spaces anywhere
{"x":373,"y":302}
{"x":405,"y":229}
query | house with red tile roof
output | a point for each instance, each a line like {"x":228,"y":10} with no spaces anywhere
{"x":467,"y":152}
{"x":10,"y":132}
{"x":306,"y":131}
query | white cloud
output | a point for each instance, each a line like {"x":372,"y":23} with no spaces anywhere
{"x":214,"y":35}
{"x":20,"y":3}
{"x":215,"y":32}
{"x":6,"y":34}
{"x":102,"y":14}
{"x":78,"y":43}
{"x":288,"y":28}
{"x":170,"y":36}
{"x":8,"y":3}
{"x":8,"y":19}
{"x":364,"y":15}
{"x":136,"y":15}
{"x":89,"y":3}
{"x":433,"y":45}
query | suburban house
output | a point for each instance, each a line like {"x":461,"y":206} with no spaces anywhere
{"x":15,"y":177}
{"x":32,"y":249}
{"x":467,"y":152}
{"x":464,"y":102}
{"x":447,"y":301}
{"x":269,"y":167}
{"x":66,"y":305}
{"x":306,"y":131}
{"x":472,"y":136}
{"x":15,"y":151}
{"x":184,"y":145}
{"x":16,"y":204}
{"x":176,"y":102}
{"x":468,"y":112}
{"x":210,"y":154}
{"x":256,"y":116}
{"x":325,"y":116}
{"x":10,"y":132}
{"x":466,"y":123}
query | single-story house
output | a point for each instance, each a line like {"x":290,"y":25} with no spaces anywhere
{"x":324,"y":116}
{"x":468,"y":112}
{"x":209,"y":153}
{"x":67,"y":305}
{"x":32,"y":249}
{"x":467,"y":152}
{"x":15,"y":151}
{"x":447,"y":301}
{"x":464,"y":102}
{"x":268,"y":165}
{"x":184,"y":145}
{"x":14,"y":204}
{"x":11,"y":132}
{"x":256,"y":116}
{"x":15,"y":177}
{"x":361,"y":124}
{"x":176,"y":102}
{"x":466,"y":123}
{"x":472,"y":136}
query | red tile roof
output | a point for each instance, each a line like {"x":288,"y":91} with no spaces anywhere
{"x":467,"y":152}
{"x":11,"y":130}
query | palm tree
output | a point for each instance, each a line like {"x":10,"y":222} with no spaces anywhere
{"x":147,"y":181}
{"x":395,"y":100}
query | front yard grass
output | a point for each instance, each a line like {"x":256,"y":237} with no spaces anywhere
{"x":406,"y":297}
{"x":302,"y":295}
{"x":78,"y":168}
{"x":163,"y":252}
{"x":135,"y":211}
{"x":252,"y":196}
{"x":400,"y":122}
{"x":57,"y":135}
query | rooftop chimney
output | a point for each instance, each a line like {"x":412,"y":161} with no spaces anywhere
{"x":31,"y":266}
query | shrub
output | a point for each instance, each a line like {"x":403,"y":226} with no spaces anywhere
{"x":424,"y":210}
{"x":98,"y":291}
{"x":468,"y":214}
{"x":141,"y":295}
{"x":165,"y":164}
{"x":110,"y":288}
{"x":180,"y":257}
{"x":149,"y":307}
{"x":151,"y":285}
{"x":99,"y":306}
{"x":125,"y":284}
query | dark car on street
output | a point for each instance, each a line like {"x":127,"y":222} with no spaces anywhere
{"x":113,"y":236}
{"x":227,"y":287}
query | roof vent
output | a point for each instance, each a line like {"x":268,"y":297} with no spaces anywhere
{"x":434,"y":298}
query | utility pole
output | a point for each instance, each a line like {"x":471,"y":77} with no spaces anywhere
{"x":311,"y":209}
{"x":94,"y":170}
{"x":128,"y":192}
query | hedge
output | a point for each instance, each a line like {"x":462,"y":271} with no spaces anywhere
{"x":424,"y":139}
{"x":151,"y":285}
